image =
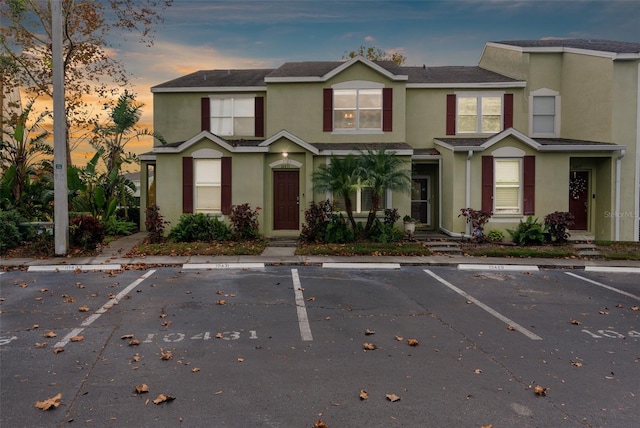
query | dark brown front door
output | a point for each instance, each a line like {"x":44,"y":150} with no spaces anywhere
{"x":285,"y":200}
{"x":579,"y":199}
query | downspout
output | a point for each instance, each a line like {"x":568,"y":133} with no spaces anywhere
{"x":467,"y":196}
{"x":616,"y":235}
{"x":440,"y":193}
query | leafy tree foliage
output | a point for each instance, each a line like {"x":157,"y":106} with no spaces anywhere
{"x":26,"y":47}
{"x":376,"y":54}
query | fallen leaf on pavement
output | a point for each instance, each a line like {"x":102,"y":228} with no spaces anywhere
{"x":311,"y":299}
{"x":576,"y":363}
{"x":393,"y":398}
{"x":219,"y":336}
{"x":320,"y":424}
{"x":49,"y":403}
{"x":143,"y":387}
{"x":161,"y":398}
{"x":364,"y":395}
{"x":635,"y":308}
{"x":77,"y":338}
{"x":166,"y":355}
{"x":399,"y":338}
{"x":195,"y":370}
{"x":220,"y":292}
{"x":413,"y":342}
{"x":240,"y":360}
{"x":41,"y":345}
{"x":603,"y":312}
{"x":487,"y":426}
{"x":575,"y":322}
{"x":136,"y":358}
{"x":221,"y":302}
{"x":369,"y":346}
{"x":511,"y":328}
{"x":50,"y":334}
{"x":477,"y":371}
{"x":539,"y":390}
{"x":368,"y":332}
{"x":83,"y":308}
{"x":134,"y":342}
{"x":58,"y":350}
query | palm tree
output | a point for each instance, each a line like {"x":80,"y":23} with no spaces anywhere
{"x":379,"y":171}
{"x":341,"y":177}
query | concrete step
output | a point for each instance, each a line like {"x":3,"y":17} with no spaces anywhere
{"x":282,"y":242}
{"x":447,"y":250}
{"x":589,"y":253}
{"x":585,"y":246}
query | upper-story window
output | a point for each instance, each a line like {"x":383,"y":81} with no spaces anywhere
{"x":357,"y":109}
{"x":357,"y":106}
{"x":479,"y":114}
{"x":545,"y":113}
{"x":233,"y":116}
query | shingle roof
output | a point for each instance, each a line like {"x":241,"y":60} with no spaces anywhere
{"x":453,"y":74}
{"x":320,"y":68}
{"x":476,"y":142}
{"x":362,"y":146}
{"x":219,"y":78}
{"x":593,"y":45}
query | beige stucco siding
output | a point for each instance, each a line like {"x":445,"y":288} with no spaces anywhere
{"x":509,"y":62}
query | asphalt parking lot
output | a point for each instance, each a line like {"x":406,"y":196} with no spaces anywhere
{"x":285,"y":346}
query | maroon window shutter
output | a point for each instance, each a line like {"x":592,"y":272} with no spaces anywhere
{"x":487,"y":183}
{"x":259,"y":115}
{"x":451,"y":114}
{"x":529,"y":191}
{"x":226,"y":185}
{"x":508,"y":111}
{"x":205,"y":114}
{"x":187,"y":184}
{"x":387,"y":109}
{"x":327,"y":110}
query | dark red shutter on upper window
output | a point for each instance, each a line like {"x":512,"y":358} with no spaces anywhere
{"x":205,"y":114}
{"x":226,"y":185}
{"x":327,"y":110}
{"x":387,"y":109}
{"x":508,"y":111}
{"x":187,"y":184}
{"x":529,"y":191}
{"x":487,"y":183}
{"x":259,"y":115}
{"x":451,"y":114}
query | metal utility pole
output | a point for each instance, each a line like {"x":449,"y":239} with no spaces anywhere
{"x":61,"y":204}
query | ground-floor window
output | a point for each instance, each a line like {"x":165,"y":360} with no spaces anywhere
{"x":508,"y":188}
{"x":208,"y":185}
{"x":361,"y":200}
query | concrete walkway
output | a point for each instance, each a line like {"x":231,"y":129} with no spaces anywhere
{"x":116,"y":253}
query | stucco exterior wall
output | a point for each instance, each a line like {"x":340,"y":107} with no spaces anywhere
{"x":509,"y":62}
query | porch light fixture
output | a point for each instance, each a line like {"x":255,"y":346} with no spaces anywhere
{"x":285,"y":158}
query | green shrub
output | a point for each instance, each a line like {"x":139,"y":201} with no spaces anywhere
{"x":477,"y":219}
{"x":338,"y":231}
{"x":391,"y":215}
{"x":558,"y":223}
{"x":529,"y":232}
{"x":118,"y":226}
{"x":10,"y":236}
{"x":199,"y":227}
{"x":132,"y":214}
{"x":495,"y":235}
{"x":155,"y":224}
{"x":245,"y":222}
{"x":385,"y":232}
{"x":85,"y":232}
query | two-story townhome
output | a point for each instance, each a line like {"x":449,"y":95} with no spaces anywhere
{"x":536,"y":127}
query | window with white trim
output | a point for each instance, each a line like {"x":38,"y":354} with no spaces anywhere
{"x":357,"y":109}
{"x":508,"y":186}
{"x":207,"y":185}
{"x":545,"y":113}
{"x":479,"y":114}
{"x":233,"y":116}
{"x":361,"y":200}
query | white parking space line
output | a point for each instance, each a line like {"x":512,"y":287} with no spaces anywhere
{"x":599,"y":284}
{"x":361,"y":265}
{"x":205,"y":266}
{"x":478,"y":303}
{"x":104,"y":308}
{"x":612,"y":269}
{"x":303,"y":319}
{"x":511,"y":268}
{"x":72,"y":268}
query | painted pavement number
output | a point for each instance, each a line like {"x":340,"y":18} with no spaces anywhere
{"x":179,"y":337}
{"x":612,"y":334}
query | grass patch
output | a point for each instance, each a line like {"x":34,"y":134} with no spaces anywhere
{"x":617,"y":250}
{"x":556,"y":252}
{"x":363,"y":249}
{"x":227,"y":248}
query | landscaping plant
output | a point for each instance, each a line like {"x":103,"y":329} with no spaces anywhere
{"x":245,"y":222}
{"x":529,"y":232}
{"x":199,"y":227}
{"x":477,"y":219}
{"x":558,"y":223}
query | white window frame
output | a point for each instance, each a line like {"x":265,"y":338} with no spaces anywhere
{"x":545,"y":92}
{"x":214,"y":182}
{"x":357,"y":86}
{"x":479,"y":96}
{"x":232,"y":117}
{"x":510,"y":211}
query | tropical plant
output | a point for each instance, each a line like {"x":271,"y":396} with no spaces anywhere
{"x":341,"y":177}
{"x":85,"y":232}
{"x":316,"y":219}
{"x":477,"y":219}
{"x":381,"y":170}
{"x":244,"y":221}
{"x":155,"y":224}
{"x":23,"y":151}
{"x":495,"y":235}
{"x":558,"y":224}
{"x":529,"y":232}
{"x":10,"y":236}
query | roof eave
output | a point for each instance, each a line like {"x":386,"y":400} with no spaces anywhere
{"x":505,"y":85}
{"x":210,"y":89}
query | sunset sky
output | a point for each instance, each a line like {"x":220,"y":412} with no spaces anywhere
{"x":208,"y":34}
